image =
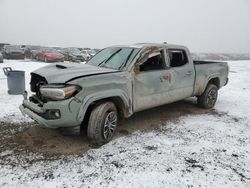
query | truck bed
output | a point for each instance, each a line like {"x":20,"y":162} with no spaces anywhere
{"x":207,"y":70}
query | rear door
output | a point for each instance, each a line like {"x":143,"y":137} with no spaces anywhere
{"x":183,"y":74}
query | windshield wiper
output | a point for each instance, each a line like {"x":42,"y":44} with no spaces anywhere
{"x":101,"y":62}
{"x":106,"y":60}
{"x":125,"y":62}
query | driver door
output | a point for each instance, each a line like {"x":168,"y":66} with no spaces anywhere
{"x":151,"y":80}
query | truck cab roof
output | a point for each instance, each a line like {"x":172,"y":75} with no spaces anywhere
{"x":144,"y":45}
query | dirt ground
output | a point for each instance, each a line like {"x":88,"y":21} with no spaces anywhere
{"x":51,"y":142}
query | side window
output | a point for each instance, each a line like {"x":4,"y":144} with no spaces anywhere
{"x":177,"y":57}
{"x":155,"y":61}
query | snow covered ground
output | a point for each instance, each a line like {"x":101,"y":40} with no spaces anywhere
{"x":209,"y":149}
{"x":9,"y":103}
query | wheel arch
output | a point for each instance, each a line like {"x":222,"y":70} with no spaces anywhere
{"x":215,"y":81}
{"x":211,"y":80}
{"x":120,"y":100}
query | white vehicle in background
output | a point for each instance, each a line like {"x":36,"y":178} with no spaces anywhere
{"x":86,"y":55}
{"x":91,"y":52}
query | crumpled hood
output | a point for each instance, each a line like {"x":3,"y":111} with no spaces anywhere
{"x":64,"y":72}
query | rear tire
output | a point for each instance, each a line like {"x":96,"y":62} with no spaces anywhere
{"x":102,"y":123}
{"x":209,"y":97}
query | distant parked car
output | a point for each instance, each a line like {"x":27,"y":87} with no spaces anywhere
{"x":30,"y":51}
{"x":13,"y":52}
{"x":23,"y":47}
{"x":91,"y":52}
{"x":2,"y":45}
{"x":86,"y":55}
{"x":49,"y":55}
{"x":72,"y":54}
{"x":97,"y":50}
{"x":1,"y":58}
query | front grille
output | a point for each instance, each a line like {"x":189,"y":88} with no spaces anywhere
{"x":16,"y":52}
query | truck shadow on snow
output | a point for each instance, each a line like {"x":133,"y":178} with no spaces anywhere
{"x":52,"y":142}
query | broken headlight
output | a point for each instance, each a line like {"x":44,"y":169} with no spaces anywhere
{"x":58,"y":92}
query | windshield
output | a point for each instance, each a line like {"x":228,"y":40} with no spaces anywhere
{"x":114,"y":57}
{"x":91,"y":52}
{"x":74,"y":50}
{"x":13,"y":47}
{"x":84,"y":52}
{"x":50,"y":50}
{"x":34,"y":47}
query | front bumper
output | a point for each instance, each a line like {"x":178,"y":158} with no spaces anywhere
{"x":76,"y":58}
{"x":15,"y":56}
{"x":69,"y":110}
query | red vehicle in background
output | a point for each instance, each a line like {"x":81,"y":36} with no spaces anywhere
{"x":49,"y":55}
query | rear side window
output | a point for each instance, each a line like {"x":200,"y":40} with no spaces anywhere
{"x":177,"y":57}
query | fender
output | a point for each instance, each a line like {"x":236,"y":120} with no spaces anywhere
{"x":210,"y":77}
{"x":88,"y":100}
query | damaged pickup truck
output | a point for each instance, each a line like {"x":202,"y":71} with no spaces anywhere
{"x":116,"y":83}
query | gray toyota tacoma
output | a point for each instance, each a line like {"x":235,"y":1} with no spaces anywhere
{"x":118,"y":82}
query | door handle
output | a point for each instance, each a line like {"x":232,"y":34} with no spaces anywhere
{"x":189,"y":73}
{"x":165,"y":77}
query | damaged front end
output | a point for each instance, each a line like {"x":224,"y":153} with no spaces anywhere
{"x":52,"y":105}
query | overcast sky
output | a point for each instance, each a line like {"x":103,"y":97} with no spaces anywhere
{"x":202,"y":25}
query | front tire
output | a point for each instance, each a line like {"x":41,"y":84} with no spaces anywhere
{"x":209,"y":97}
{"x":102,"y":123}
